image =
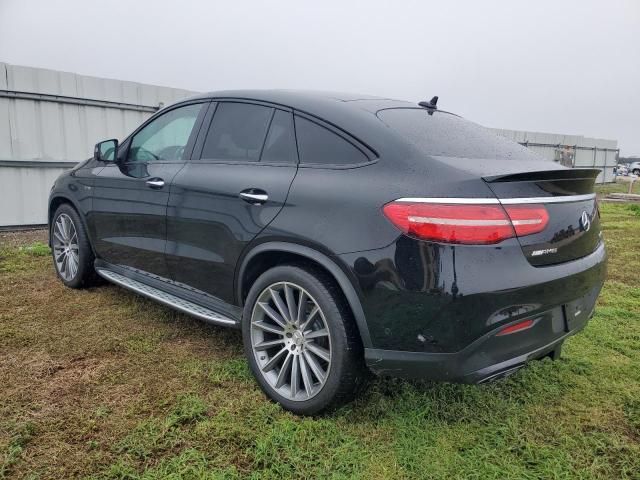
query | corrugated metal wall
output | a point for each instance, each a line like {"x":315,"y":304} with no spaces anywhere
{"x":50,"y":120}
{"x":570,"y":150}
{"x":41,"y":135}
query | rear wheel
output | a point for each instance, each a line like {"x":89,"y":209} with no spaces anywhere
{"x":72,"y":254}
{"x":300,"y":340}
{"x":636,"y":172}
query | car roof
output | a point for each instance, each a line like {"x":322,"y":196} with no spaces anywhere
{"x":353,"y":113}
{"x":307,"y":99}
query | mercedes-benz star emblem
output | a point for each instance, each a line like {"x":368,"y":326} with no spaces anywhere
{"x":585,"y":221}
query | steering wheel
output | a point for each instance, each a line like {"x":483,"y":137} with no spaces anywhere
{"x":141,"y":153}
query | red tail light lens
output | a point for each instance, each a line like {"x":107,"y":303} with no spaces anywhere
{"x":466,"y":223}
{"x":469,"y":224}
{"x":527,"y":219}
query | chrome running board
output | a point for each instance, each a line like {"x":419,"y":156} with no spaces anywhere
{"x":165,"y":298}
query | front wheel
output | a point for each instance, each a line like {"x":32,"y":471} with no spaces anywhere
{"x":72,"y":254}
{"x":300,"y":339}
{"x":636,"y":172}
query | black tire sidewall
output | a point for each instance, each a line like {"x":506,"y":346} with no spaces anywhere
{"x":335,"y":323}
{"x":85,"y":271}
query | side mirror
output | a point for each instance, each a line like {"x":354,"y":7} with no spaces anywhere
{"x":106,"y":151}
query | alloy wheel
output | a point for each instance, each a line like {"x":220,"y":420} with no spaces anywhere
{"x":290,"y":341}
{"x":65,"y":247}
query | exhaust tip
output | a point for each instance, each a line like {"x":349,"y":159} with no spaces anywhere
{"x":501,"y":374}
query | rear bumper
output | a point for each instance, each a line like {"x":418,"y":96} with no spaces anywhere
{"x":487,"y":359}
{"x":434,"y":311}
{"x":491,"y":356}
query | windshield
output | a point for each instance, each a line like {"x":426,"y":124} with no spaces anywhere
{"x":444,"y":134}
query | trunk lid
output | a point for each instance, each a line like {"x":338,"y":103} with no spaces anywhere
{"x":573,"y":230}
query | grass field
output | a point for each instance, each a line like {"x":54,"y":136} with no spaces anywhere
{"x":101,"y":383}
{"x":620,"y":186}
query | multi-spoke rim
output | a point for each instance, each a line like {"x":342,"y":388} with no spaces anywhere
{"x":290,"y":341}
{"x":65,"y":247}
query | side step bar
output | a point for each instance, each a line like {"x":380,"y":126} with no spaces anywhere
{"x":165,"y":298}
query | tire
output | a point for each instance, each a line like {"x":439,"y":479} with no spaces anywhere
{"x":636,"y":172}
{"x":319,"y":384}
{"x":74,"y":248}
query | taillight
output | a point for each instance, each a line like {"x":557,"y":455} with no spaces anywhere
{"x":527,"y":219}
{"x":466,"y":223}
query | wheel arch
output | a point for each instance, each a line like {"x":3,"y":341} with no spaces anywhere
{"x":54,"y":203}
{"x":279,"y":251}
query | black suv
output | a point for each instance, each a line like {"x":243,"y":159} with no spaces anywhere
{"x":342,"y":234}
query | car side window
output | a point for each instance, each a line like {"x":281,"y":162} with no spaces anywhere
{"x":237,"y":132}
{"x":280,"y":145}
{"x":165,"y":138}
{"x":319,"y":145}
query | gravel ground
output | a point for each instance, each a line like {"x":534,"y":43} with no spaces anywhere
{"x":22,"y":237}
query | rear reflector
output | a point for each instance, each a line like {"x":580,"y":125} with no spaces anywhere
{"x":515,"y":328}
{"x":468,"y":223}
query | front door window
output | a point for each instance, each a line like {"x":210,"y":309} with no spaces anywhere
{"x":166,"y":137}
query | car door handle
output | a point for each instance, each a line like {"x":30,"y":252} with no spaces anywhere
{"x":255,"y":196}
{"x":155,"y":183}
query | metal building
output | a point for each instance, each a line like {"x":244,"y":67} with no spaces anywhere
{"x":50,"y":120}
{"x":571,"y":150}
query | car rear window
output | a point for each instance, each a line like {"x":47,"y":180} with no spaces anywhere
{"x":445,"y":134}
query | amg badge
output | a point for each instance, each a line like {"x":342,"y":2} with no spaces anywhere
{"x":545,"y":251}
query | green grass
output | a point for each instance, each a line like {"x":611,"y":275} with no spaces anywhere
{"x":618,"y":187}
{"x":103,"y":384}
{"x":23,"y":257}
{"x":635,"y":209}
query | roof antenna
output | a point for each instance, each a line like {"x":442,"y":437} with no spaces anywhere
{"x":431,"y":104}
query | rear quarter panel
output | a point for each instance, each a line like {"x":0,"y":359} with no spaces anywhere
{"x":339,"y":210}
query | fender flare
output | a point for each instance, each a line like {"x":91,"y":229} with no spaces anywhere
{"x":330,"y":265}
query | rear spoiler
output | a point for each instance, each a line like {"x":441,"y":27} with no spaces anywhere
{"x":546,"y":175}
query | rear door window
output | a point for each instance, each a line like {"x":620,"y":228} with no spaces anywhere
{"x":280,"y":146}
{"x":237,"y":132}
{"x":319,"y":145}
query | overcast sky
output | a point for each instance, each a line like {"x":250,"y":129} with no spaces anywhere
{"x":553,"y":66}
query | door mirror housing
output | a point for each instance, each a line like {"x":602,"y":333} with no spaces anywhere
{"x":106,"y":151}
